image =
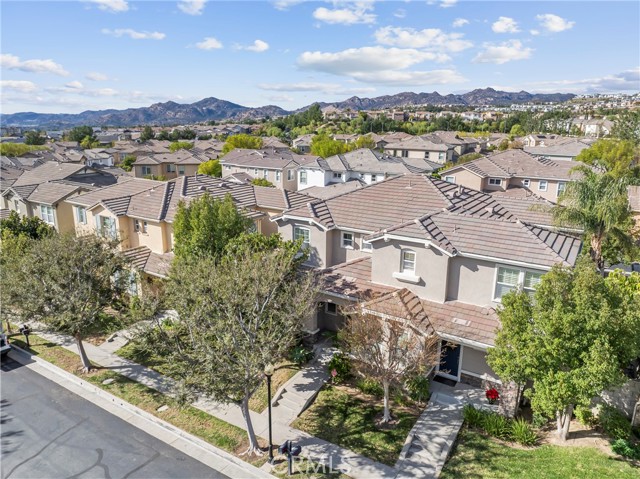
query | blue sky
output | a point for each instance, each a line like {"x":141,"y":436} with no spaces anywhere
{"x":96,"y":54}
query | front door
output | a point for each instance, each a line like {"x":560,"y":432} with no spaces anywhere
{"x":449,"y":360}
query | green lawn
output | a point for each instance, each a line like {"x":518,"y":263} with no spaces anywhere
{"x":346,"y":417}
{"x":478,"y":457}
{"x":281,"y":375}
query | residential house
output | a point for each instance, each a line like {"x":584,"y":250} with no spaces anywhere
{"x":428,"y":147}
{"x":168,"y":165}
{"x":98,"y":157}
{"x":447,"y":252}
{"x":566,"y":149}
{"x":270,"y":142}
{"x":42,"y":191}
{"x":303,"y":143}
{"x":504,"y":170}
{"x":280,"y":167}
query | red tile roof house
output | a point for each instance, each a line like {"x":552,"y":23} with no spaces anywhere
{"x":454,"y":250}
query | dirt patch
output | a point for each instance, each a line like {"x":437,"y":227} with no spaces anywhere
{"x":579,"y":435}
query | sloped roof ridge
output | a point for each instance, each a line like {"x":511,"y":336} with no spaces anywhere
{"x":537,"y":238}
{"x":506,"y":172}
{"x":430,"y":179}
{"x":168,"y":189}
{"x":341,"y":265}
{"x":420,"y":223}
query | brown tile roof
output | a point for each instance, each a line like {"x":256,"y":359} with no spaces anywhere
{"x":48,"y":171}
{"x":266,"y":158}
{"x":151,"y":263}
{"x":352,"y":279}
{"x":528,"y":207}
{"x":4,"y":213}
{"x":52,"y":192}
{"x":401,"y":304}
{"x":123,"y":189}
{"x":331,"y":190}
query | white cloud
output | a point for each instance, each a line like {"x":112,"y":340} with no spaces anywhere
{"x":75,"y":85}
{"x":534,"y":32}
{"x":553,"y":23}
{"x":18,"y":85}
{"x":192,"y":7}
{"x":209,"y":43}
{"x":13,"y":62}
{"x":505,"y":25}
{"x":460,"y":22}
{"x":503,"y":52}
{"x":366,"y":59}
{"x":258,"y":46}
{"x":628,"y":80}
{"x":133,"y":34}
{"x":330,"y":88}
{"x":429,"y":38}
{"x":447,"y":3}
{"x":351,"y":14}
{"x":400,"y":13}
{"x":77,"y":88}
{"x":112,"y":6}
{"x":285,"y":4}
{"x":411,"y":78}
{"x":96,"y":76}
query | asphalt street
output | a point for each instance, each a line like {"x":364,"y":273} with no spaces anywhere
{"x":49,"y":432}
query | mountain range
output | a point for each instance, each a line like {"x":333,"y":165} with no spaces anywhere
{"x":172,"y":113}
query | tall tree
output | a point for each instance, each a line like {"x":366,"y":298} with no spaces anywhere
{"x":242,"y":141}
{"x":79,"y":133}
{"x":388,"y":349}
{"x":238,"y":313}
{"x":573,"y":340}
{"x":180,"y":145}
{"x":626,"y":126}
{"x":34,"y":138}
{"x":147,"y":134}
{"x":616,"y":157}
{"x":324,"y":146}
{"x":30,"y":227}
{"x":211,"y":168}
{"x":127,"y":162}
{"x":66,"y":282}
{"x":205,"y":225}
{"x":597,"y":204}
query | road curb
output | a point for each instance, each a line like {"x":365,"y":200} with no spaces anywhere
{"x":195,"y":447}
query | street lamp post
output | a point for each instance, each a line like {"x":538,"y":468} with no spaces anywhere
{"x":268,"y":372}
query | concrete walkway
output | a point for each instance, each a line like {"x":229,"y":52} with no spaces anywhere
{"x":318,"y":450}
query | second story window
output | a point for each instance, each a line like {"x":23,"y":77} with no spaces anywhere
{"x":408,"y":262}
{"x":441,"y":156}
{"x":265,"y":174}
{"x":450,"y":179}
{"x":16,"y":205}
{"x":542,"y":185}
{"x":526,"y":182}
{"x":301,"y":233}
{"x":278,"y":174}
{"x":46,"y":213}
{"x":146,"y":170}
{"x":366,"y":246}
{"x":181,"y":169}
{"x":337,"y":176}
{"x":303,"y":177}
{"x":495,"y":181}
{"x":531,"y":281}
{"x":136,"y":226}
{"x":561,"y":187}
{"x":171,"y":168}
{"x":81,"y":215}
{"x":347,"y":240}
{"x":511,"y":279}
{"x":374,"y":178}
{"x":290,"y":174}
{"x":255,"y":172}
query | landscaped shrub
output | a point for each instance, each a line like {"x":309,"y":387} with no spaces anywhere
{"x":496,"y":425}
{"x":585,"y":416}
{"x":339,"y":367}
{"x":626,"y":449}
{"x":472,"y":416}
{"x":417,"y":387}
{"x":300,"y":354}
{"x":523,"y":433}
{"x":370,"y":386}
{"x":539,"y":420}
{"x":614,"y":423}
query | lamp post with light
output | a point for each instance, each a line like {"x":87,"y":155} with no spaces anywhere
{"x":268,"y":372}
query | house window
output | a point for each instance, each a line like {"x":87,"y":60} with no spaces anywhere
{"x":265,"y":174}
{"x":561,"y":187}
{"x":405,"y":153}
{"x":136,"y":226}
{"x":227,"y":167}
{"x":374,"y":178}
{"x":408,"y":261}
{"x":144,"y":226}
{"x":81,"y":215}
{"x":542,"y":185}
{"x":181,"y":169}
{"x":347,"y":240}
{"x":531,"y":281}
{"x":16,"y":205}
{"x":426,"y":155}
{"x":106,"y":226}
{"x":46,"y":213}
{"x":301,"y":233}
{"x":441,"y":156}
{"x":255,"y":172}
{"x":290,"y":175}
{"x":331,"y":308}
{"x":507,"y":281}
{"x":495,"y":181}
{"x":526,"y":182}
{"x":171,"y":168}
{"x":450,"y":179}
{"x":303,"y":177}
{"x":146,"y":170}
{"x":278,"y":176}
{"x":366,"y":246}
{"x":337,"y":176}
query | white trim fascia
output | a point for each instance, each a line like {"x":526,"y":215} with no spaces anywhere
{"x":465,"y":342}
{"x":299,"y":218}
{"x":522,"y":264}
{"x":426,"y":243}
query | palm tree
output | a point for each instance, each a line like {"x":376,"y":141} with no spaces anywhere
{"x":597,"y":203}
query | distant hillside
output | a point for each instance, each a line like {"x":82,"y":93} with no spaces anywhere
{"x":171,"y":113}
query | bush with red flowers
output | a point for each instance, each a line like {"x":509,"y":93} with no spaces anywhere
{"x":492,"y":395}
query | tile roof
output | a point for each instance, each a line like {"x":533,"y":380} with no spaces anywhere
{"x":265,"y":158}
{"x":151,"y":263}
{"x":52,"y":192}
{"x":332,"y":189}
{"x":124,"y":188}
{"x":401,"y":304}
{"x":428,"y":142}
{"x":371,"y":161}
{"x":567,"y":148}
{"x":48,"y":171}
{"x":352,"y":279}
{"x":268,"y":197}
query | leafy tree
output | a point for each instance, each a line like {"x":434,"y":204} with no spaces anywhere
{"x":180,"y":145}
{"x":30,"y":227}
{"x":211,"y":168}
{"x":204,"y":137}
{"x":238,"y":313}
{"x":365,"y":142}
{"x":242,"y":140}
{"x":468,"y":157}
{"x":617,"y":157}
{"x":66,"y":282}
{"x":89,"y":142}
{"x":162,"y":135}
{"x":262,"y":182}
{"x":188,"y":134}
{"x":573,"y":341}
{"x":34,"y":138}
{"x":626,"y":126}
{"x":517,"y":130}
{"x":504,"y":145}
{"x":79,"y":133}
{"x":324,"y":146}
{"x":127,"y":162}
{"x":18,"y":149}
{"x":147,"y":134}
{"x":387,"y":350}
{"x":205,"y":225}
{"x":599,"y":206}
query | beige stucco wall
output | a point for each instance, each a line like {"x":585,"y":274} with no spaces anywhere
{"x":154,"y":238}
{"x":65,"y":221}
{"x":320,"y":250}
{"x":471,"y":281}
{"x":465,"y":178}
{"x":552,"y":188}
{"x":340,"y":254}
{"x":431,"y":267}
{"x":502,"y":187}
{"x":475,"y":361}
{"x":23,"y":208}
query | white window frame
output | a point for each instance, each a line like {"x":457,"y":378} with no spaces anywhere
{"x":303,"y":177}
{"x":145,"y":226}
{"x":16,"y":205}
{"x":278,"y":175}
{"x":326,"y":308}
{"x":374,"y":178}
{"x":227,"y":167}
{"x":495,"y":181}
{"x":404,"y":261}
{"x":345,"y":241}
{"x":562,"y":185}
{"x":255,"y":172}
{"x":81,"y":215}
{"x":441,"y":155}
{"x":146,"y":170}
{"x":171,"y":168}
{"x":520,"y":283}
{"x":305,"y":237}
{"x":541,"y":183}
{"x":526,"y":182}
{"x":181,"y":169}
{"x":366,"y":246}
{"x":450,"y":179}
{"x":136,"y":226}
{"x":290,"y":175}
{"x":265,"y":174}
{"x":47,"y":213}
